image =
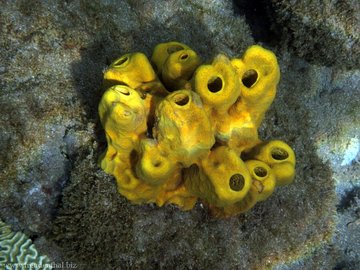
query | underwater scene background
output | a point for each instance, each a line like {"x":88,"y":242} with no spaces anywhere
{"x":59,"y":209}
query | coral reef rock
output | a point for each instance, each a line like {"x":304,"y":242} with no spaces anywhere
{"x":18,"y":251}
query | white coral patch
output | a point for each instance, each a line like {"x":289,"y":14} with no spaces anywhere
{"x":351,"y":151}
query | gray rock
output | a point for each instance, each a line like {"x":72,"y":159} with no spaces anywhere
{"x":323,"y":32}
{"x":53,"y":55}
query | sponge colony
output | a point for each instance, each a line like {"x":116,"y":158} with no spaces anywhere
{"x":178,"y":131}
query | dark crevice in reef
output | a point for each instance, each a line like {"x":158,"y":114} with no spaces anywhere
{"x":258,"y":14}
{"x":34,"y":237}
{"x":348,"y":199}
{"x":87,"y":75}
{"x":345,"y":265}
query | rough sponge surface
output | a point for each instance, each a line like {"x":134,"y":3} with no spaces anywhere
{"x":179,"y":130}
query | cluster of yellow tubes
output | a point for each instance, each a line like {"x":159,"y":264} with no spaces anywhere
{"x":178,"y":130}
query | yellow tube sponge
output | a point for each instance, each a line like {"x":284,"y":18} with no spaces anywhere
{"x":179,"y":68}
{"x":123,"y":116}
{"x":175,"y":64}
{"x":238,"y":92}
{"x":217,"y":84}
{"x":182,"y":136}
{"x":133,"y":70}
{"x":163,"y":50}
{"x":198,"y":138}
{"x":242,"y":206}
{"x":183,"y":128}
{"x":280,"y":157}
{"x":263,"y":178}
{"x":262,"y":185}
{"x":259,"y":74}
{"x":153,"y":167}
{"x":218,"y":182}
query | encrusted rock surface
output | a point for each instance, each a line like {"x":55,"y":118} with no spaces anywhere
{"x":323,"y":32}
{"x":52,"y":58}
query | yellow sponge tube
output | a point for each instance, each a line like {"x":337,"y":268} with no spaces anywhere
{"x":178,"y":69}
{"x":133,"y":70}
{"x":263,"y":178}
{"x":122,"y":111}
{"x":222,"y":180}
{"x":152,"y":167}
{"x":217,"y":84}
{"x":163,"y":50}
{"x":259,"y":74}
{"x":280,"y":157}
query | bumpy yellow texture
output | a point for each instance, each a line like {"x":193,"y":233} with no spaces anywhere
{"x":186,"y":131}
